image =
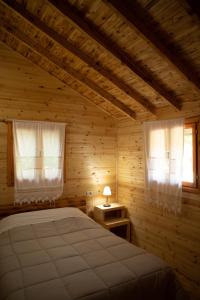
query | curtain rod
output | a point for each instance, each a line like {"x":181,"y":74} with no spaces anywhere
{"x":47,"y":121}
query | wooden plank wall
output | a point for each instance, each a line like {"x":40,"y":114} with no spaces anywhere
{"x":27,"y":92}
{"x":175,"y":239}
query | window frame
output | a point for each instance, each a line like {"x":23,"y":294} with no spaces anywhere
{"x":194,"y":187}
{"x":10,"y":155}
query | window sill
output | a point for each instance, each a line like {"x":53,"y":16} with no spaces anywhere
{"x":188,"y":189}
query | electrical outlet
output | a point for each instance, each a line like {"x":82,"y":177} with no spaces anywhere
{"x":89,"y":193}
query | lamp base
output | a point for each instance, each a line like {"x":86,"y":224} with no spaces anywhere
{"x":106,"y":205}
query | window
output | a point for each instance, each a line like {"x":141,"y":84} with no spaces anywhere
{"x":164,"y":155}
{"x":37,"y":160}
{"x":191,"y":157}
{"x":50,"y":162}
{"x":163,"y":152}
{"x":158,"y":144}
{"x":38,"y":153}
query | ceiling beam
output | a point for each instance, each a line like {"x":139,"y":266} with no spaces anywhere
{"x":78,"y":19}
{"x":5,"y":38}
{"x":65,"y":67}
{"x":192,"y":8}
{"x":194,"y":4}
{"x":56,"y":37}
{"x":134,"y":15}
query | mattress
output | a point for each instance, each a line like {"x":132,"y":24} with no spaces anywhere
{"x":62,"y":254}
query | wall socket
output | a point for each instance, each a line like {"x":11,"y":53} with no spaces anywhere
{"x":89,"y":193}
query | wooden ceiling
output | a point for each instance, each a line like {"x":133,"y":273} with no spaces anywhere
{"x":130,"y":58}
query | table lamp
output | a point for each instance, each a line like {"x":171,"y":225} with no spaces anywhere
{"x":107,"y":192}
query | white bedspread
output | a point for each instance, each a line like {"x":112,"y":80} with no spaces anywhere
{"x":61,"y":254}
{"x":40,"y":216}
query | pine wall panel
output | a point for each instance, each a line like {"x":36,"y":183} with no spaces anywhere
{"x":176,"y":239}
{"x":27,"y":92}
{"x":98,"y":154}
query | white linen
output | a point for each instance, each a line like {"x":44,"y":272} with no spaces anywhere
{"x":164,"y":156}
{"x":38,"y":158}
{"x":76,"y":258}
{"x":39,"y":216}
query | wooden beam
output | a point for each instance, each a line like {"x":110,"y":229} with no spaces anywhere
{"x":78,"y":19}
{"x":134,"y":15}
{"x":65,"y":67}
{"x":192,"y":8}
{"x":194,"y":4}
{"x":56,"y":37}
{"x":7,"y":38}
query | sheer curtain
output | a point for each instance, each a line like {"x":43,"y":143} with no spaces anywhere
{"x":164,"y":155}
{"x":38,"y":159}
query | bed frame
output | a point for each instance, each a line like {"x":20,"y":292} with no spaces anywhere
{"x":79,"y":202}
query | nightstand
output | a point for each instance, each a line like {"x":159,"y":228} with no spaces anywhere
{"x":114,"y":219}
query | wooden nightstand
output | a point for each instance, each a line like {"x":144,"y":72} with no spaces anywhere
{"x":114,"y":219}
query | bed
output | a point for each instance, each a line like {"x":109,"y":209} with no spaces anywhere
{"x":62,"y":254}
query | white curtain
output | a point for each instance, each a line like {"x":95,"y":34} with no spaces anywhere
{"x":164,"y":155}
{"x":38,"y":159}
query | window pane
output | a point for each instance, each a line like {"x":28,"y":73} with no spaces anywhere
{"x":51,"y":140}
{"x":27,"y":153}
{"x":188,"y":167}
{"x":158,"y":156}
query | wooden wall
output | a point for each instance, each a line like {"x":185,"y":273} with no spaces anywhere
{"x":27,"y":92}
{"x":175,"y":239}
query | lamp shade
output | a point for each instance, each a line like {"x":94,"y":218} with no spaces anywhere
{"x":107,"y":191}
